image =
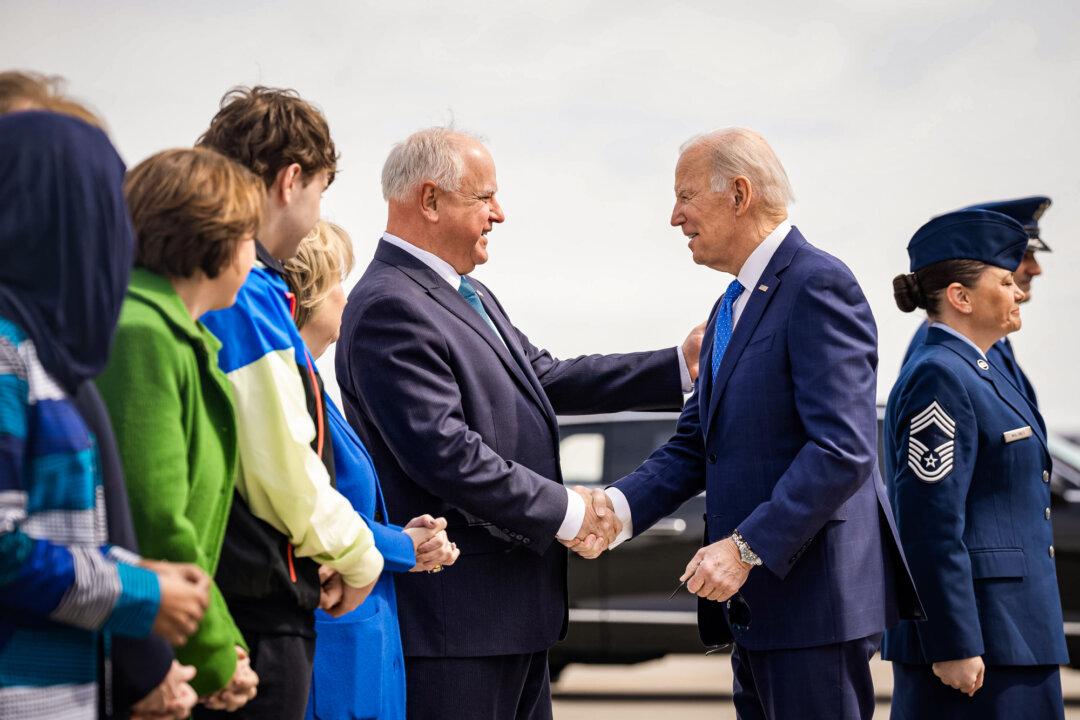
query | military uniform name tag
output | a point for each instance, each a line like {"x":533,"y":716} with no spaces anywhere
{"x":1017,"y":434}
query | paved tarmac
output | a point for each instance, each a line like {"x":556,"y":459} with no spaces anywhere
{"x":692,"y":687}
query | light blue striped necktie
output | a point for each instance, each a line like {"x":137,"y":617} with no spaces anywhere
{"x":468,"y":292}
{"x":725,"y":322}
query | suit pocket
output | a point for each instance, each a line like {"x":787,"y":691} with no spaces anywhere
{"x":998,"y":563}
{"x":758,"y":347}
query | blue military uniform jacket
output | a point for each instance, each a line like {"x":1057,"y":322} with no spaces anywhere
{"x":1001,"y":354}
{"x":968,"y":472}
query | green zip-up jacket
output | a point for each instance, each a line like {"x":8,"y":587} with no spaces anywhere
{"x":175,"y":422}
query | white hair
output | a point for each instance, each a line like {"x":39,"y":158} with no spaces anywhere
{"x":432,"y":154}
{"x":738,"y":151}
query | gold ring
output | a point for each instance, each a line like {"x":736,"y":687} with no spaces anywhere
{"x":436,"y":569}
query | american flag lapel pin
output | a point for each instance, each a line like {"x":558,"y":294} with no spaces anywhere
{"x":763,"y":288}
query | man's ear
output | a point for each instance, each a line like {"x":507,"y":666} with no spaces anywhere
{"x":429,"y":201}
{"x":742,"y":193}
{"x":287,"y":182}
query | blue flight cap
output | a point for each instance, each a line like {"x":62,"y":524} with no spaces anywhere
{"x":1025,"y":211}
{"x":983,"y":235}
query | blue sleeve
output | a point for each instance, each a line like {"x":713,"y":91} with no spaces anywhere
{"x":834,"y":373}
{"x":931,"y":442}
{"x":673,"y":474}
{"x":396,"y":547}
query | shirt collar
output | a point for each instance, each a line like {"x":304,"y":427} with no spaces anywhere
{"x":442,"y":268}
{"x":958,"y":334}
{"x":755,"y":265}
{"x":263,"y":255}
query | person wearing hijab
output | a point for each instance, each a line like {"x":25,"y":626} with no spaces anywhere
{"x":359,"y":665}
{"x":968,"y":472}
{"x":195,"y":214}
{"x":67,"y":245}
{"x":144,"y":677}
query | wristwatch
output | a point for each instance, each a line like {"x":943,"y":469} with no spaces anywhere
{"x":747,"y":555}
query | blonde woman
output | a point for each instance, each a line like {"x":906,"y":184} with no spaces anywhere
{"x":359,"y":668}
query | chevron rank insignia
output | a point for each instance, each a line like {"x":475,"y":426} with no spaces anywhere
{"x":930,"y":444}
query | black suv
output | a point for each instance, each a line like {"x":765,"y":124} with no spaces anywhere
{"x":620,"y":611}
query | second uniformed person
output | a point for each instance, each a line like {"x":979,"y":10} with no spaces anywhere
{"x":968,"y":470}
{"x":1027,"y":211}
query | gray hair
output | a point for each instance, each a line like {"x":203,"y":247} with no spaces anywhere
{"x":738,"y":151}
{"x":432,"y":154}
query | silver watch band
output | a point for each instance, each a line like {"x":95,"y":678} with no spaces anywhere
{"x":747,"y":555}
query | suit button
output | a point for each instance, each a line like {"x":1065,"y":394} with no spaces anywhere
{"x":1046,"y":513}
{"x":1051,"y":551}
{"x":1046,"y":476}
{"x":526,"y":540}
{"x":712,"y":458}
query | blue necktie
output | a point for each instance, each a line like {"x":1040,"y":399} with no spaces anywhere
{"x":468,"y":292}
{"x":725,"y":321}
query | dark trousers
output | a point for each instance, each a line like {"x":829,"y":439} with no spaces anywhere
{"x":828,"y":682}
{"x":283,"y":663}
{"x":501,"y":687}
{"x":1008,"y":691}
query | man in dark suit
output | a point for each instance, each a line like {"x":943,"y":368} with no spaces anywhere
{"x":1027,"y":211}
{"x":801,"y":569}
{"x":458,"y":409}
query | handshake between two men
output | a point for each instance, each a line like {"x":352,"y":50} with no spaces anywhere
{"x":716,"y":572}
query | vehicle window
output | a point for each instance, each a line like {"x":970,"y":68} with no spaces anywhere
{"x":633,"y":442}
{"x":582,"y":457}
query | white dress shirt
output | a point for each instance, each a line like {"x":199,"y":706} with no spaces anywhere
{"x":748,"y":276}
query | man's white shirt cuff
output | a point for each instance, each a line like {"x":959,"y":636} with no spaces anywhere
{"x":622,"y":511}
{"x":575,"y":516}
{"x":684,"y":374}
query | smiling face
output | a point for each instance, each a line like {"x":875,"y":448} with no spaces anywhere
{"x":995,"y":303}
{"x":706,"y":217}
{"x":467,"y":214}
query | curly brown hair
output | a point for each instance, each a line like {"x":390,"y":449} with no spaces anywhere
{"x":266,"y":129}
{"x":191,"y":207}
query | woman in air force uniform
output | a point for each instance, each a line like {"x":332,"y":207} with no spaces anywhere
{"x":968,"y":473}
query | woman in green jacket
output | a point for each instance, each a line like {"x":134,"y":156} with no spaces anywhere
{"x":195,"y":214}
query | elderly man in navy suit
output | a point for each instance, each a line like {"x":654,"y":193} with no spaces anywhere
{"x":458,"y":409}
{"x":802,"y":569}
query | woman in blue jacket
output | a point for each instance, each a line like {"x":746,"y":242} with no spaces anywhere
{"x":359,"y":667}
{"x":968,"y":472}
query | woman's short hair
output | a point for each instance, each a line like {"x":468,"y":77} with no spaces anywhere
{"x":26,"y":90}
{"x":266,"y":129}
{"x":323,"y":260}
{"x":924,"y":288}
{"x":190,"y":209}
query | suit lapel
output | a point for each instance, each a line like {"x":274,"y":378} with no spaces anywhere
{"x":450,"y":299}
{"x":1002,"y":385}
{"x":506,"y":329}
{"x":761,"y":294}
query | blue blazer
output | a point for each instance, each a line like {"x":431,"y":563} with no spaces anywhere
{"x":461,"y":422}
{"x":972,"y":503}
{"x":784,"y":442}
{"x":1000,"y":353}
{"x":359,"y":669}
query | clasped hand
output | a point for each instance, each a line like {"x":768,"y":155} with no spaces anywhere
{"x":600,"y":527}
{"x":964,"y":675}
{"x":432,"y":547}
{"x":716,"y":572}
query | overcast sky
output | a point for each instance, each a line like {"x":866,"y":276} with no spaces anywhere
{"x":884,"y":114}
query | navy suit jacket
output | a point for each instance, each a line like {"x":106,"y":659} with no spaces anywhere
{"x":463,"y":425}
{"x":1000,"y":353}
{"x":972,"y":504}
{"x":784,"y":442}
